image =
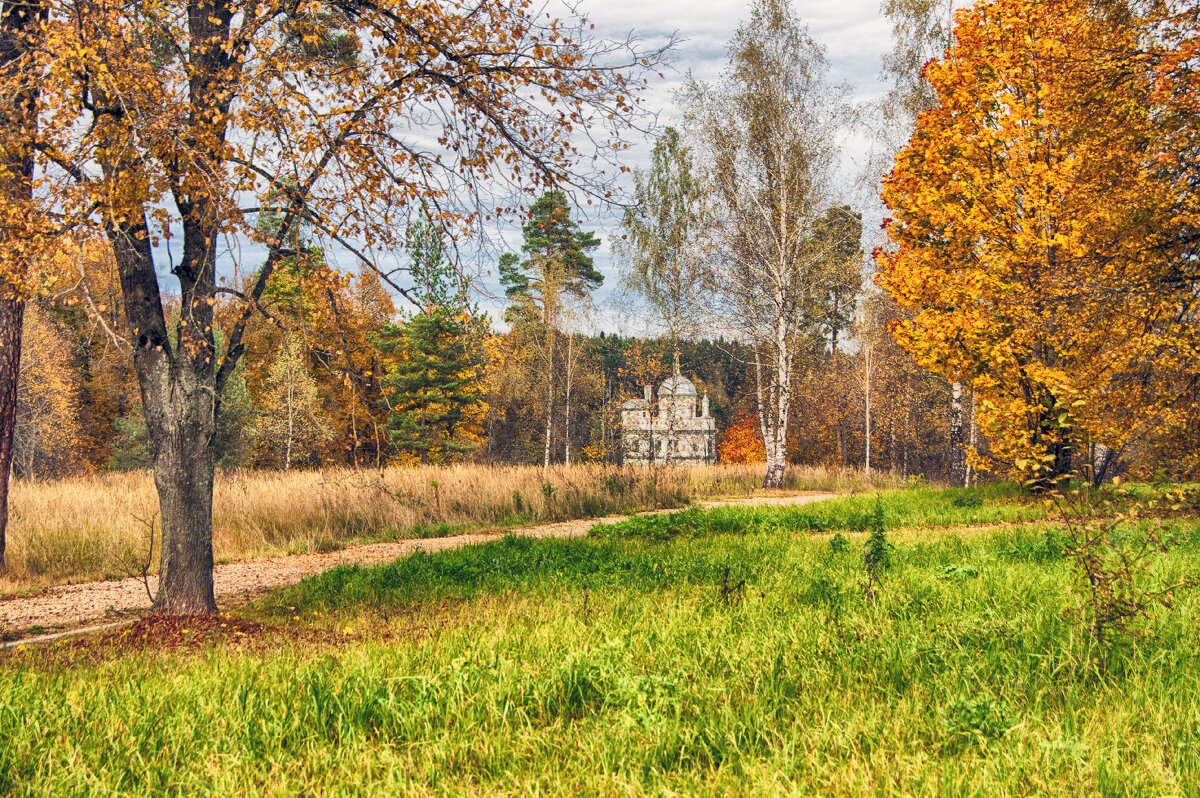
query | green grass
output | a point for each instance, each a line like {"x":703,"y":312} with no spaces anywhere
{"x":621,"y":664}
{"x":923,"y":507}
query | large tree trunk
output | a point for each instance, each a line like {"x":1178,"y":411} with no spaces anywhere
{"x":177,"y":377}
{"x":183,"y":473}
{"x":19,"y":23}
{"x":12,"y":310}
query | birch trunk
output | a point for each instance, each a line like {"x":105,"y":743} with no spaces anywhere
{"x":549,"y":398}
{"x":567,"y":410}
{"x":957,"y":470}
{"x":867,"y":392}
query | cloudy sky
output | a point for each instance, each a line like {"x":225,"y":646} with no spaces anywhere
{"x":853,"y":32}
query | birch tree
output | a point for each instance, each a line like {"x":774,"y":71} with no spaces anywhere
{"x":289,"y":423}
{"x":663,"y":247}
{"x":765,"y":131}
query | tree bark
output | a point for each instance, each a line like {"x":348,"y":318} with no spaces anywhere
{"x":179,"y":399}
{"x":567,"y":409}
{"x":867,"y":400}
{"x":19,"y":23}
{"x":838,"y":401}
{"x":12,"y":310}
{"x":775,"y":404}
{"x":958,"y":459}
{"x":549,"y":399}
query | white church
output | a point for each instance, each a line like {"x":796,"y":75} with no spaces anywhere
{"x":676,"y":434}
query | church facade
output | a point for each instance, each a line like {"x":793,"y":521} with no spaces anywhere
{"x":676,"y":434}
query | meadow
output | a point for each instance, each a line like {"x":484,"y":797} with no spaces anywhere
{"x":97,"y":527}
{"x":721,"y":652}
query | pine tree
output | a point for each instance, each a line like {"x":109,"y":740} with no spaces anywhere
{"x":436,"y":359}
{"x":435,"y":384}
{"x":557,"y":268}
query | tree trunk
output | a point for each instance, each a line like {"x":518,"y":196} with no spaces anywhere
{"x":774,"y":407}
{"x":969,"y":472}
{"x":12,"y":310}
{"x":567,"y":409}
{"x":547,"y":319}
{"x":838,"y":403}
{"x":183,"y":474}
{"x":958,"y":460}
{"x":18,"y":25}
{"x":867,"y":397}
{"x":291,"y":430}
{"x":177,"y":377}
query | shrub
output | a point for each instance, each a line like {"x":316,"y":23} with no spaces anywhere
{"x":974,"y":721}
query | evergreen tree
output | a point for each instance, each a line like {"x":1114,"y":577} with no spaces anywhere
{"x":556,"y":268}
{"x":436,"y":358}
{"x":434,"y":383}
{"x":556,"y":255}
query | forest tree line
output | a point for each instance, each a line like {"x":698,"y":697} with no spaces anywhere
{"x":324,"y":383}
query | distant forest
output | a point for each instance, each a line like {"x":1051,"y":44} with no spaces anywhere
{"x":328,"y":379}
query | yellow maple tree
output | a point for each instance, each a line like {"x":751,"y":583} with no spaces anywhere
{"x":1040,"y":236}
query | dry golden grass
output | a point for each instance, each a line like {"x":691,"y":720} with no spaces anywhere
{"x":96,"y":527}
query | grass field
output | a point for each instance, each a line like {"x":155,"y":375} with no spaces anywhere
{"x":632,"y":662}
{"x":98,"y":527}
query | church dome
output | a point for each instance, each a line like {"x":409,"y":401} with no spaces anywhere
{"x":678,"y":385}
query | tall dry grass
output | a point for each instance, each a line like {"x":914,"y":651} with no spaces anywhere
{"x":97,"y":527}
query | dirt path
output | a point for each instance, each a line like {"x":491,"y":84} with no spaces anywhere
{"x":70,"y":605}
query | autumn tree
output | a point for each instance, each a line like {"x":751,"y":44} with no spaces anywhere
{"x":184,"y":118}
{"x":48,"y":435}
{"x":1042,"y":243}
{"x":766,"y":134}
{"x":290,"y":423}
{"x":21,"y":234}
{"x":556,"y":271}
{"x":836,"y":239}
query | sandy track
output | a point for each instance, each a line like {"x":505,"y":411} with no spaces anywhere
{"x":69,"y":605}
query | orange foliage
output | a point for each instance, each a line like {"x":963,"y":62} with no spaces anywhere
{"x":741,"y":441}
{"x":1041,"y":230}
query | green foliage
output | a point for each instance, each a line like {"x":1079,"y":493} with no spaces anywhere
{"x":556,"y":260}
{"x":236,"y":419}
{"x":838,"y":544}
{"x":434,"y":278}
{"x":1116,"y":559}
{"x":131,"y":445}
{"x":877,"y":554}
{"x":924,"y":507}
{"x":663,"y":264}
{"x":974,"y":721}
{"x":960,"y":571}
{"x":434,"y":382}
{"x":968,"y":500}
